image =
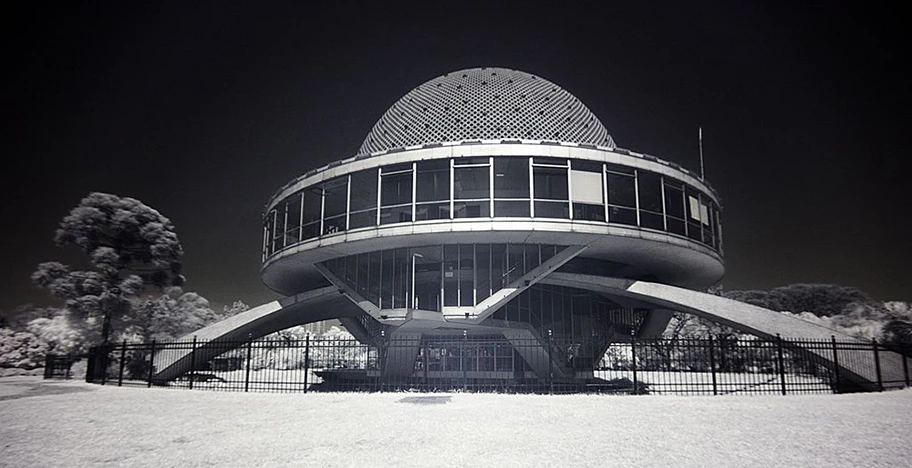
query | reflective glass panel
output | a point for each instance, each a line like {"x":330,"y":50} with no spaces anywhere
{"x":550,"y":183}
{"x":471,"y":182}
{"x":396,"y":189}
{"x":621,"y":190}
{"x":511,"y":177}
{"x":433,"y":180}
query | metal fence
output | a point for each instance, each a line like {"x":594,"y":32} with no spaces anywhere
{"x":495,"y":364}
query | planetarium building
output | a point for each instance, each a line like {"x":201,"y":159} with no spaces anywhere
{"x":492,"y":205}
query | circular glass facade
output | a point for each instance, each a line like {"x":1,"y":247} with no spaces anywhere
{"x":493,"y":187}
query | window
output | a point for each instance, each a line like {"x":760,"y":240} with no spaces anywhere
{"x":621,"y":195}
{"x":335,"y":199}
{"x":313,"y":209}
{"x":649,"y":188}
{"x":363,"y":204}
{"x":433,"y":190}
{"x":551,"y":188}
{"x":471,"y":183}
{"x":674,"y":207}
{"x":587,"y":191}
{"x":396,"y":194}
{"x":511,"y":187}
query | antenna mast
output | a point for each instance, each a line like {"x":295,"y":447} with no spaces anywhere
{"x":700,"y":137}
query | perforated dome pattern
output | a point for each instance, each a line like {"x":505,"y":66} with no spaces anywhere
{"x":486,"y":104}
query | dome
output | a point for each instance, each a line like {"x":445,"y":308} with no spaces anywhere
{"x":486,"y":104}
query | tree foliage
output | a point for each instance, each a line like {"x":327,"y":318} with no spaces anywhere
{"x":169,"y":316}
{"x":823,"y":300}
{"x":131,"y":248}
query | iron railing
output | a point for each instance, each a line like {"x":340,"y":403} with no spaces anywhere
{"x":712,"y":366}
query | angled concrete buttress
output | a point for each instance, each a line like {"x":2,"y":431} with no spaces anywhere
{"x":313,"y":306}
{"x":857,"y":366}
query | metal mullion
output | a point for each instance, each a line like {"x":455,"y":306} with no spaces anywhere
{"x":265,"y":240}
{"x":414,"y":189}
{"x":275,"y":220}
{"x":636,"y":191}
{"x":664,"y":211}
{"x":322,"y":207}
{"x":301,"y":220}
{"x":605,"y":190}
{"x":531,"y":188}
{"x":348,"y":196}
{"x":379,"y":192}
{"x":475,"y":273}
{"x":490,"y":191}
{"x":452,"y":204}
{"x":569,"y":171}
{"x":285,"y":226}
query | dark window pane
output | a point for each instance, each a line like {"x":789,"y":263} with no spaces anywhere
{"x":396,"y":189}
{"x":310,"y":230}
{"x":650,"y":187}
{"x":362,"y":219}
{"x":396,"y":214}
{"x":471,"y":182}
{"x":550,"y":183}
{"x":483,"y":271}
{"x":588,"y":212}
{"x":619,"y":168}
{"x":466,"y":275}
{"x":583,"y":165}
{"x":313,"y":200}
{"x":474,"y":161}
{"x":694,"y":231}
{"x":425,"y":211}
{"x":621,"y":190}
{"x":450,"y":280}
{"x":335,"y":193}
{"x":622,"y":215}
{"x":433,"y":180}
{"x":652,"y":220}
{"x":515,"y":262}
{"x":507,"y":209}
{"x":545,"y":209}
{"x":511,"y":177}
{"x":551,"y":161}
{"x":674,"y":201}
{"x":396,"y":168}
{"x":479,"y":209}
{"x":334,"y":225}
{"x":294,"y":214}
{"x":364,"y":190}
{"x":676,"y":226}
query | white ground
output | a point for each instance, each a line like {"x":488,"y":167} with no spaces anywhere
{"x":93,"y":425}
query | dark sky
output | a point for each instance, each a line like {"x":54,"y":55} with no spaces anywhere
{"x":203,"y":111}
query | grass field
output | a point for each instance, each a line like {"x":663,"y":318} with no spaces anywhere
{"x":76,"y":424}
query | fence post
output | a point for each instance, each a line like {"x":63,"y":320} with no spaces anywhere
{"x":247,"y":367}
{"x":712,"y":365}
{"x":151,"y":363}
{"x":123,"y":357}
{"x":306,"y":360}
{"x":192,"y":361}
{"x":550,"y":363}
{"x":835,"y":365}
{"x":103,"y":358}
{"x":384,"y":350}
{"x":48,"y":362}
{"x":880,"y":386}
{"x":633,"y":361}
{"x":462,"y":364}
{"x":781,"y":362}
